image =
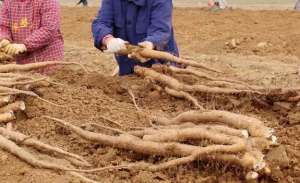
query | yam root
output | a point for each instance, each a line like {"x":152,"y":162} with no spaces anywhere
{"x":195,"y":133}
{"x":33,"y":66}
{"x":202,"y":75}
{"x":184,"y":95}
{"x":31,"y":159}
{"x":13,"y":91}
{"x":15,"y":106}
{"x":154,"y":54}
{"x":16,"y":83}
{"x":168,"y":142}
{"x":4,"y":100}
{"x":23,"y":139}
{"x":254,"y":126}
{"x":219,"y":128}
{"x":130,"y":142}
{"x":7,"y":116}
{"x":176,"y":85}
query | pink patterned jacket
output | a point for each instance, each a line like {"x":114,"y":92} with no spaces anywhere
{"x":35,"y":23}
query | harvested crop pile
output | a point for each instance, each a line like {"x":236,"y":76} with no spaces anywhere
{"x":112,"y":114}
{"x":186,"y":138}
{"x":211,"y":135}
{"x":93,"y":101}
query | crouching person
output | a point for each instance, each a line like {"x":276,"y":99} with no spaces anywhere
{"x":297,"y":6}
{"x":147,"y":23}
{"x":30,"y":30}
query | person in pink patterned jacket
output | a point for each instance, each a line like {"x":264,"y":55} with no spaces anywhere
{"x":30,"y":29}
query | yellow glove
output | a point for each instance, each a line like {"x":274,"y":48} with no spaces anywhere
{"x":3,"y":43}
{"x":15,"y":49}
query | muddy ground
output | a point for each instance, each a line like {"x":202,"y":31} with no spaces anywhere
{"x":260,"y":47}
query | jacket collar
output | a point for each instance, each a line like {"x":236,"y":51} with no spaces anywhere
{"x":138,"y":2}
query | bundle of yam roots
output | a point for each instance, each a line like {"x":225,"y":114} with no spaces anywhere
{"x":196,"y":135}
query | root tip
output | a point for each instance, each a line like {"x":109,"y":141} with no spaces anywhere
{"x":274,"y":140}
{"x":22,"y":106}
{"x":6,"y":99}
{"x":245,"y":133}
{"x":252,"y":176}
{"x":259,"y":166}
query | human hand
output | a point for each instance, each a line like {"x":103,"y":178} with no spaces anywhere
{"x":147,"y":45}
{"x":138,"y":56}
{"x":15,"y":49}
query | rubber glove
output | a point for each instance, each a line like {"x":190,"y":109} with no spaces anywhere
{"x":115,"y":45}
{"x":15,"y":49}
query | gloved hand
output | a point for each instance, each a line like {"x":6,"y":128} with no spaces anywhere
{"x":114,"y":45}
{"x":15,"y":49}
{"x":3,"y":43}
{"x":137,"y":56}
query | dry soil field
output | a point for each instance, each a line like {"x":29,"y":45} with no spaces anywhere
{"x":258,"y":47}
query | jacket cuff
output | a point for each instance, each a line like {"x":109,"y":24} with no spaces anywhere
{"x":98,"y":42}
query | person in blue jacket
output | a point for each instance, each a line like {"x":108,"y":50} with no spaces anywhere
{"x":147,"y":23}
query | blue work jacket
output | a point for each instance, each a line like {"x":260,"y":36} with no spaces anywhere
{"x":136,"y":21}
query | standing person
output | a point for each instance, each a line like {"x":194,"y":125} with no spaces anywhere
{"x":83,"y":2}
{"x":30,"y":29}
{"x":297,"y":6}
{"x":217,"y":4}
{"x":223,"y":4}
{"x":147,"y":23}
{"x":210,"y":3}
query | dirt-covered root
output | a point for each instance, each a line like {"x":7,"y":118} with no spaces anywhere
{"x":10,"y":141}
{"x":219,"y":128}
{"x":228,"y":145}
{"x":17,"y":83}
{"x":141,"y":52}
{"x":130,"y":142}
{"x":184,"y":95}
{"x":7,"y":116}
{"x":4,"y":91}
{"x":28,"y":141}
{"x":15,"y":106}
{"x":193,"y":133}
{"x":34,"y":66}
{"x":174,"y":84}
{"x":4,"y":100}
{"x":192,"y":71}
{"x":254,"y":126}
{"x":14,"y":149}
{"x":164,"y":77}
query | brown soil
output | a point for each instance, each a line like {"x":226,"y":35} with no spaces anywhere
{"x":201,"y":35}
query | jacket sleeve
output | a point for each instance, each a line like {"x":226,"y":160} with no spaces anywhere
{"x":50,"y":22}
{"x":5,"y":29}
{"x":160,"y":28}
{"x":103,"y":24}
